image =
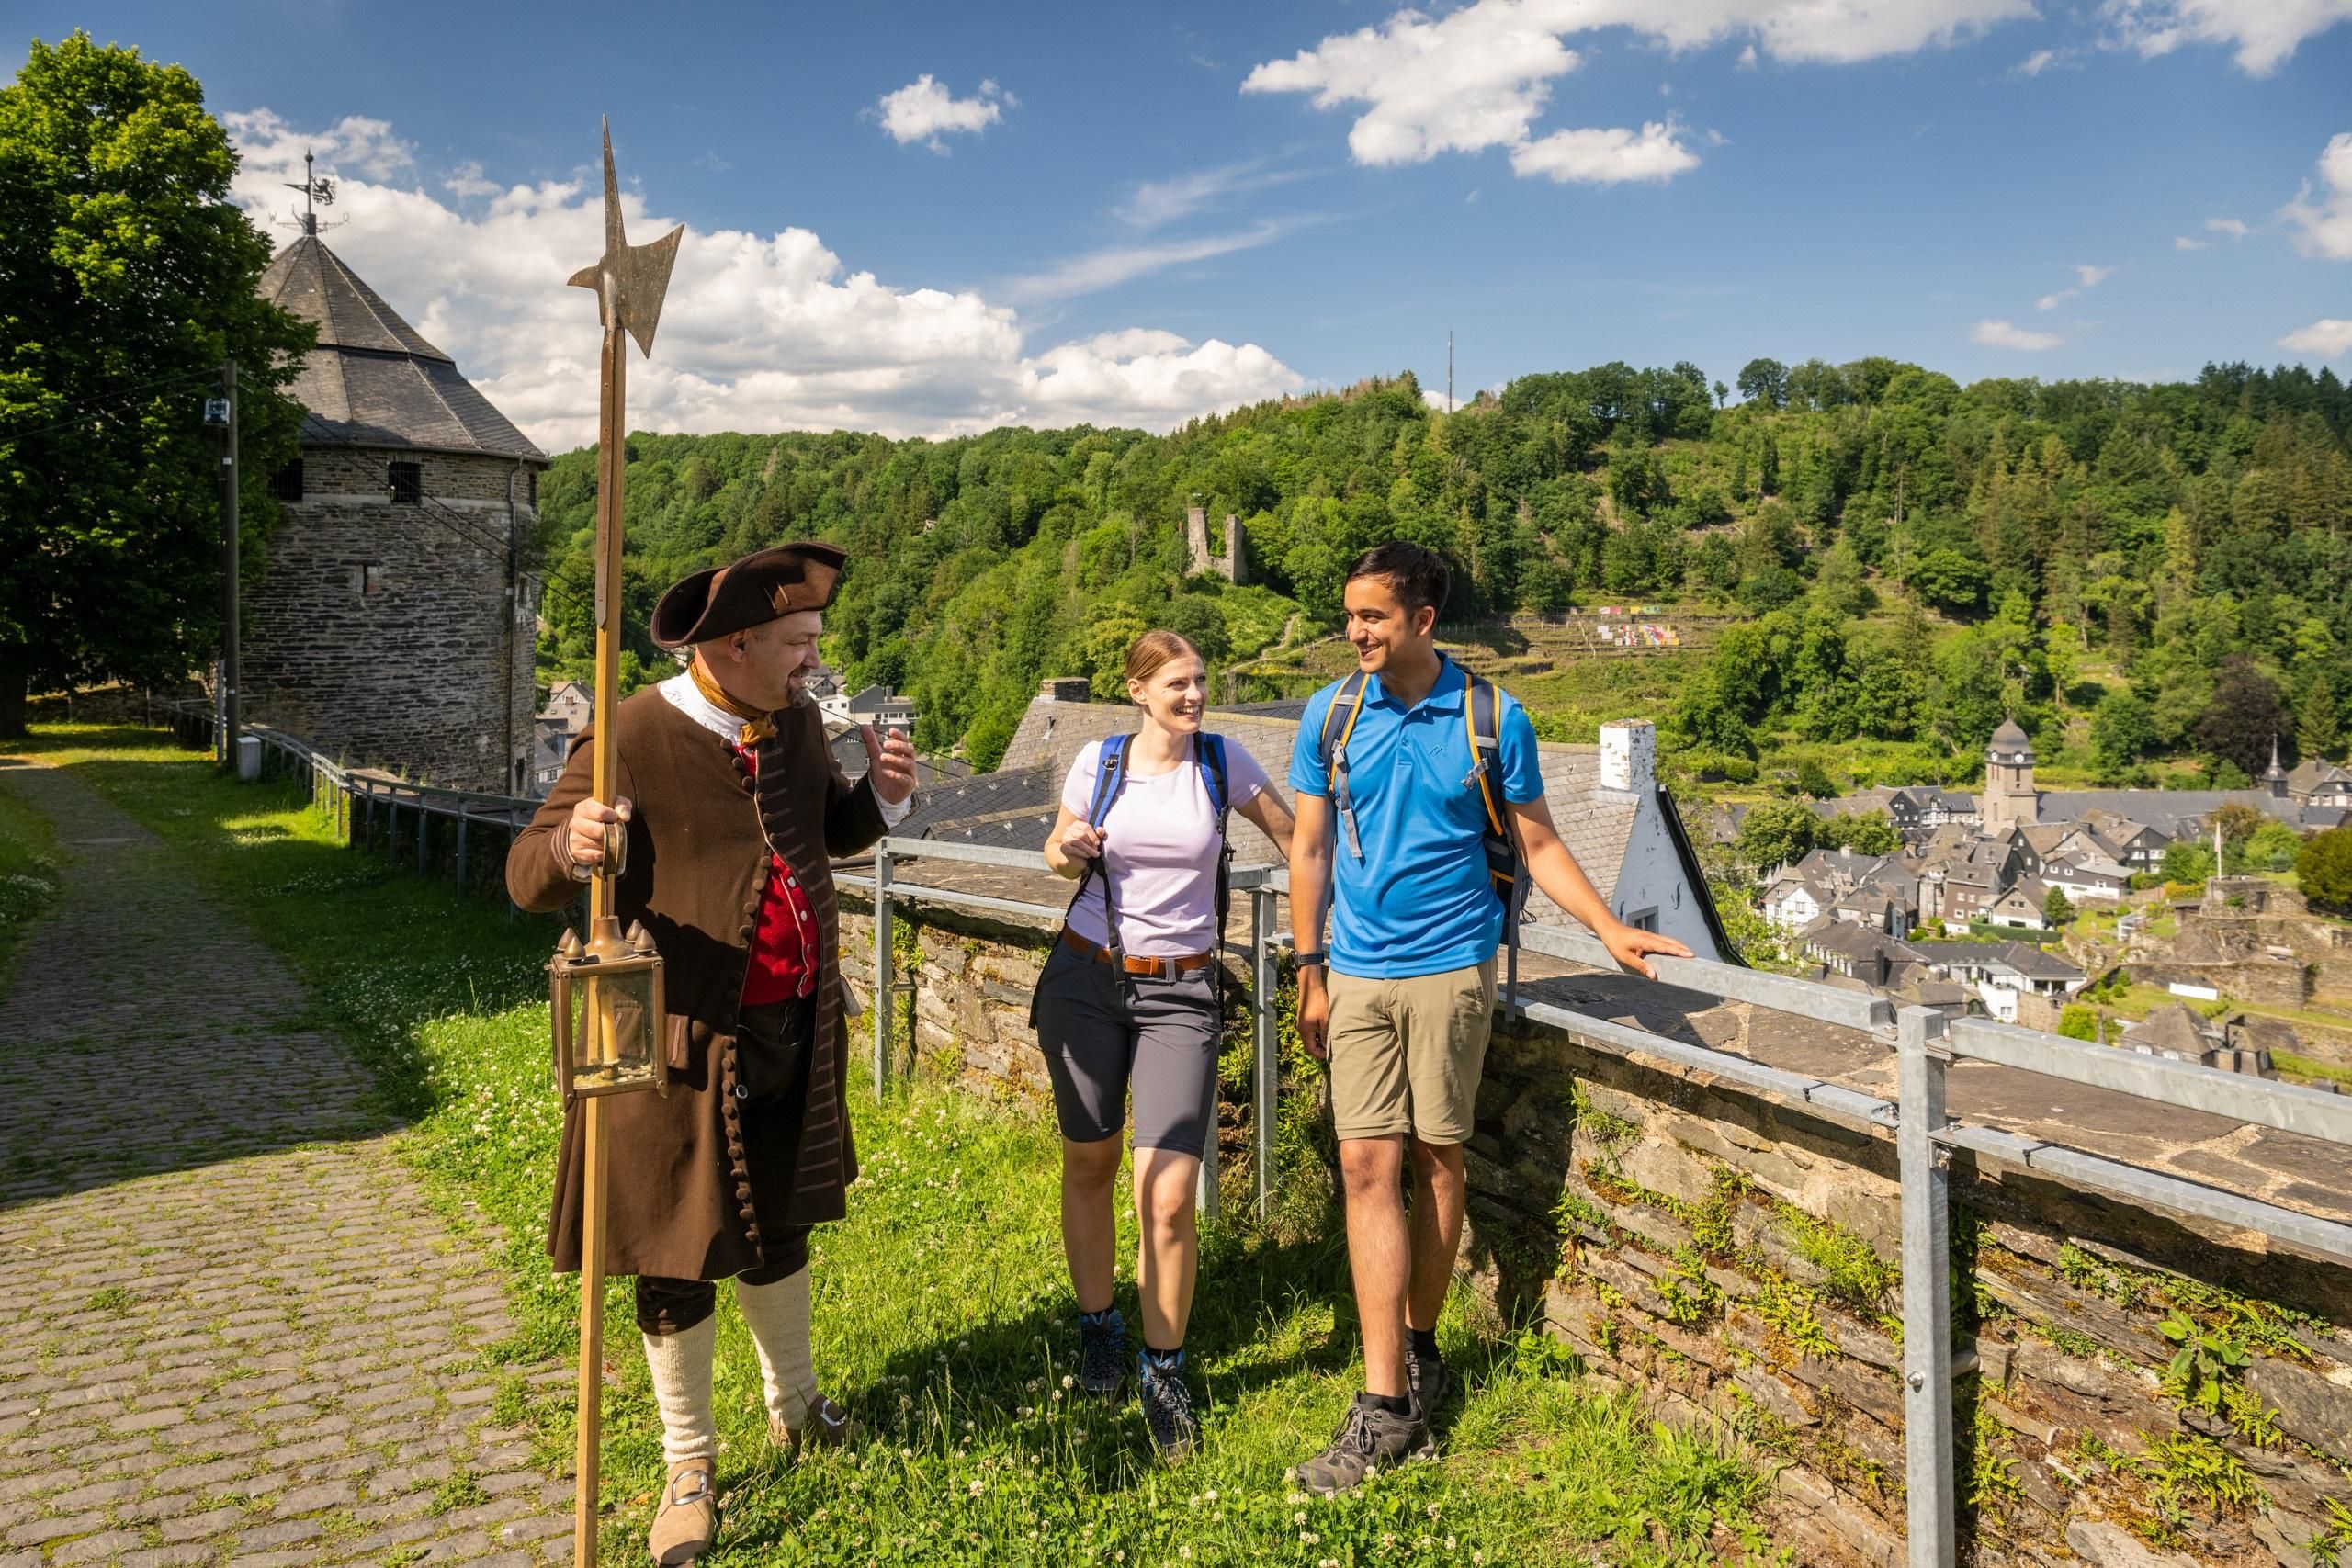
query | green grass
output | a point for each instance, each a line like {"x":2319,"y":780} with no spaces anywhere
{"x":943,"y":1311}
{"x":30,"y":870}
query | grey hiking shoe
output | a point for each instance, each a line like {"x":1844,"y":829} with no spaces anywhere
{"x":1103,"y":1355}
{"x":1370,"y":1439}
{"x":1428,"y":1383}
{"x":1168,"y":1413}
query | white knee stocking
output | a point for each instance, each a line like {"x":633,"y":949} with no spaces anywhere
{"x":777,"y":1316}
{"x":681,"y":1366}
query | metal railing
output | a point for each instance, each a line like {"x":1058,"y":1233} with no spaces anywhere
{"x":368,"y":805}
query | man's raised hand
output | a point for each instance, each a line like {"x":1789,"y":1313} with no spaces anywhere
{"x":889,"y":762}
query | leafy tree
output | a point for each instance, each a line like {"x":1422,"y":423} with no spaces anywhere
{"x":2324,"y":868}
{"x":2057,"y":909}
{"x":1777,"y":832}
{"x":2188,"y":860}
{"x":1764,"y":381}
{"x":2244,"y":718}
{"x":1949,"y":580}
{"x":2122,"y":731}
{"x":2271,"y":847}
{"x":1864,"y":832}
{"x":2317,"y":723}
{"x":2078,"y":1023}
{"x":128,"y":275}
{"x":1814,"y":780}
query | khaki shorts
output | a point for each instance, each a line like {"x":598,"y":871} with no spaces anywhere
{"x":1407,"y":1054}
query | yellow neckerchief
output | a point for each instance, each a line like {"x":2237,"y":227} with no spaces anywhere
{"x":757,"y":726}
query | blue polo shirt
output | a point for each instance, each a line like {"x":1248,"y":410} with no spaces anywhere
{"x":1419,"y":901}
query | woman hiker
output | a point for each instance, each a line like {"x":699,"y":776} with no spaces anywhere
{"x":1129,"y":1000}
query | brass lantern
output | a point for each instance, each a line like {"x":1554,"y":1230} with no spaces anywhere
{"x":605,"y":1004}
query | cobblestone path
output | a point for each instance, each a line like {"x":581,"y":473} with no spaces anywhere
{"x":233,"y":1331}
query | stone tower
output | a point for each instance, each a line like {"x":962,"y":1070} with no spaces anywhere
{"x":1197,"y":559}
{"x":2011,"y":799}
{"x":393,"y":626}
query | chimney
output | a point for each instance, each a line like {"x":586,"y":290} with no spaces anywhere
{"x":1065,"y":688}
{"x":1629,"y":755}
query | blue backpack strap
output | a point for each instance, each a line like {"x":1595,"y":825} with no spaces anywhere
{"x":1110,"y":778}
{"x":1212,"y":774}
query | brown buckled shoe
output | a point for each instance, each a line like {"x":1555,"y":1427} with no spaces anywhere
{"x":687,"y":1521}
{"x":826,"y":1425}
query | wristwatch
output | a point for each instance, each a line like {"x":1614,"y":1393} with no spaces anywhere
{"x":1316,"y":959}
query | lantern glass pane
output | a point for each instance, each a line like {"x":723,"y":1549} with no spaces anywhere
{"x":617,"y":1027}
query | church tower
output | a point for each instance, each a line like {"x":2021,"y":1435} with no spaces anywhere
{"x":2011,"y":799}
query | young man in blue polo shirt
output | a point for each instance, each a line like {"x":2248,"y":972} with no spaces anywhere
{"x":1402,"y":1003}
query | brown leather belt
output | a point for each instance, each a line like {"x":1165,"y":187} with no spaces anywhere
{"x":1151,"y":966}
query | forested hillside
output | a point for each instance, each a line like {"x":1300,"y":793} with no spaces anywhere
{"x":2145,"y":576}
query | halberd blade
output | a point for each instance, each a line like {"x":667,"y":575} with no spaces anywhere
{"x":633,"y":278}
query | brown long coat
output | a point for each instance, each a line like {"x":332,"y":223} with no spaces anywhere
{"x":687,"y":1193}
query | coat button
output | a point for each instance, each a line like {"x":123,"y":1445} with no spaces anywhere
{"x":748,"y":932}
{"x":743,"y":1093}
{"x":743,"y":1192}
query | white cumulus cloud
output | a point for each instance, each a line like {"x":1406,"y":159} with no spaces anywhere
{"x":2232,"y":227}
{"x":2323,"y":219}
{"x":1606,"y":157}
{"x":2265,"y":33}
{"x":2183,"y":242}
{"x":1479,"y":76}
{"x":2328,"y":338}
{"x":2092,"y":277}
{"x":760,"y":331}
{"x":2002,"y":335}
{"x":923,"y":110}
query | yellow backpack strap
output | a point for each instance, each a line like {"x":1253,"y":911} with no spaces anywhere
{"x":1335,"y":755}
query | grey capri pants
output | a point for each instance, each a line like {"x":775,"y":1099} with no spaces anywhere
{"x":1159,"y":1035}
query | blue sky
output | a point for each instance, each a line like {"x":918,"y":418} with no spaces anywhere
{"x":1139,"y":213}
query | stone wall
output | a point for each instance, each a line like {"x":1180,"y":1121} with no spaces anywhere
{"x":383,"y":632}
{"x":1737,"y":1261}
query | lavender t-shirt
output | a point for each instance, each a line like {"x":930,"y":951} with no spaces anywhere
{"x":1162,"y":844}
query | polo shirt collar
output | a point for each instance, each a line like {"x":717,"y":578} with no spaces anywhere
{"x":1444,"y":694}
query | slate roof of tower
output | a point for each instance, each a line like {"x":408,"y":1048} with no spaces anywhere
{"x":374,"y":381}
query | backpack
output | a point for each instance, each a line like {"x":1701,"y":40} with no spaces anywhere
{"x":1110,"y":780}
{"x":1482,"y":717}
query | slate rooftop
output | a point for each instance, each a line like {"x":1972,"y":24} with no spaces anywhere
{"x":374,"y":381}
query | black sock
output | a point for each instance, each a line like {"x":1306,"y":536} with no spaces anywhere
{"x":1424,"y":1345}
{"x":1154,"y":1358}
{"x":1394,"y":1403}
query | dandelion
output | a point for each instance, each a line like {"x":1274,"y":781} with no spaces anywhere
{"x":1068,"y":1382}
{"x":1058,"y":1397}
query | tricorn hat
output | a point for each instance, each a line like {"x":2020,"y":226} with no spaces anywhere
{"x":765,"y":585}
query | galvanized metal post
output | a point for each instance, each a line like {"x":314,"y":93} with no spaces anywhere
{"x":1263,"y":1006}
{"x":882,"y":984}
{"x":1931,"y":1487}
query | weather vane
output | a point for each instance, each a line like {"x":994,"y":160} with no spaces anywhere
{"x":606,"y":994}
{"x":320,"y":188}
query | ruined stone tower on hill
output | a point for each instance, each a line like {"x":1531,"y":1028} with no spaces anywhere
{"x":393,"y":625}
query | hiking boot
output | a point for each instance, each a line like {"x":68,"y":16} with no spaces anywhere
{"x":1370,"y":1439}
{"x":1168,"y":1413}
{"x":1103,"y":1355}
{"x":826,"y":1425}
{"x":686,"y":1520}
{"x":1428,"y":1382}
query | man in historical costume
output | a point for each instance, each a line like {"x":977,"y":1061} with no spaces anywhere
{"x":731,"y":807}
